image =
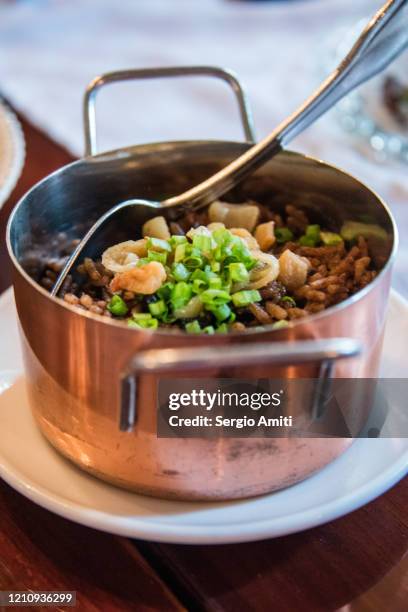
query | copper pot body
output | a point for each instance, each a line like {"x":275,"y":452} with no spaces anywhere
{"x":74,"y":360}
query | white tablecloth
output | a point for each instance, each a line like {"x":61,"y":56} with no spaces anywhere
{"x":50,"y":49}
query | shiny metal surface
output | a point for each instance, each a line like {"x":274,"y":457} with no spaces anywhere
{"x":168,"y":361}
{"x":152,"y":73}
{"x":75,"y":360}
{"x":383,"y":39}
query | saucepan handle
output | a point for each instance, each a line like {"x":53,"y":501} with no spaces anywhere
{"x":150,"y":73}
{"x":199,"y":359}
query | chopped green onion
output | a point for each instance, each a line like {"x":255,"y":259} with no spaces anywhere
{"x":215,"y":282}
{"x":307,"y":241}
{"x":222,"y":236}
{"x":280,"y":324}
{"x":202,"y":242}
{"x":221,"y":312}
{"x":141,"y":316}
{"x":148,"y":324}
{"x":243,"y":298}
{"x":117,"y":306}
{"x":157,"y":256}
{"x":199,"y":285}
{"x":180,"y":252}
{"x":331,"y":239}
{"x":313,"y":230}
{"x":132,"y":323}
{"x":353,"y":229}
{"x":241,"y":253}
{"x":165,"y":291}
{"x":222,"y":329}
{"x":193,"y":327}
{"x":283,"y":234}
{"x":157,"y":309}
{"x":238,"y":272}
{"x":175,"y":240}
{"x":232,"y":317}
{"x":180,"y":295}
{"x":157,"y":244}
{"x":203,"y":275}
{"x":289,"y":299}
{"x":219,"y":254}
{"x":143,"y":322}
{"x":194,"y":259}
{"x":209,"y":330}
{"x":180,"y":272}
{"x":215,"y":297}
{"x":311,"y":237}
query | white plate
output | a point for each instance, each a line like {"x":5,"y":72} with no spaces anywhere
{"x":12,"y":152}
{"x":30,"y":465}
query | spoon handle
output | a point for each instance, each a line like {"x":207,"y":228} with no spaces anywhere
{"x":382,"y":40}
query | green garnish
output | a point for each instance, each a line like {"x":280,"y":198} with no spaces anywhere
{"x":238,"y":272}
{"x":351,"y":230}
{"x":165,"y":291}
{"x":221,"y":312}
{"x":283,"y":234}
{"x":289,"y":300}
{"x":193,"y":259}
{"x":180,"y":272}
{"x":175,"y":240}
{"x":243,"y":298}
{"x":222,"y":329}
{"x":193,"y":327}
{"x":202,"y":270}
{"x":215,"y":297}
{"x":158,"y":309}
{"x":311,"y":236}
{"x":280,"y":324}
{"x":180,"y":252}
{"x":215,"y":282}
{"x":157,"y":256}
{"x":180,"y":295}
{"x":202,"y":243}
{"x":330,"y":238}
{"x":117,"y":306}
{"x":157,"y":244}
{"x":143,"y":320}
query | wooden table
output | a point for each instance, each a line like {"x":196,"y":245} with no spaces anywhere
{"x":355,"y":560}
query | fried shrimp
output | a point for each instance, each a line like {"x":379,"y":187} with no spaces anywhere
{"x":124,"y":255}
{"x":145,"y":280}
{"x":246,"y":236}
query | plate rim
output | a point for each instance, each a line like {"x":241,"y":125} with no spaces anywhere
{"x":143,"y":528}
{"x":238,"y":532}
{"x":19,"y":151}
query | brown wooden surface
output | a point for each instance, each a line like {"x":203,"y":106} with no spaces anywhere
{"x":41,"y":551}
{"x":320,"y":569}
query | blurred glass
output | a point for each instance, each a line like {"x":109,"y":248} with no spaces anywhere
{"x":376,"y":114}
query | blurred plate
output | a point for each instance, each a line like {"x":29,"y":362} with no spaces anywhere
{"x":12,"y":152}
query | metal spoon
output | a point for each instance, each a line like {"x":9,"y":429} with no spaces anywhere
{"x":383,"y":39}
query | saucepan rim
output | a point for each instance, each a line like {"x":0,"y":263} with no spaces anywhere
{"x":117,"y":153}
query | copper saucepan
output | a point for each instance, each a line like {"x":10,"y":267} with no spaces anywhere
{"x":82,"y":370}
